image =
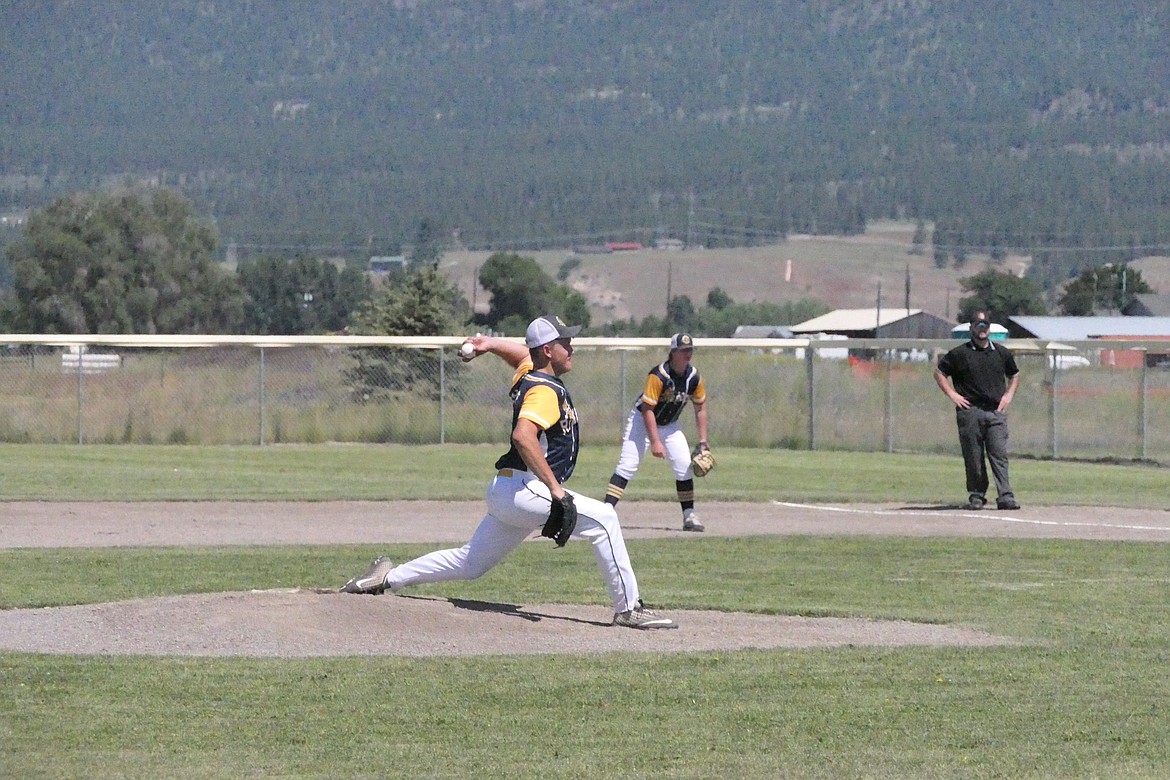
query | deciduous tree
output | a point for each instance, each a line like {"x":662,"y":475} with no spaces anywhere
{"x":131,"y":261}
{"x":1107,"y":287}
{"x":1001,"y":295}
{"x":300,"y":296}
{"x":521,"y":291}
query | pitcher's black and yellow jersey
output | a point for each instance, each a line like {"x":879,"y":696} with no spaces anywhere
{"x":667,"y":393}
{"x":544,"y":400}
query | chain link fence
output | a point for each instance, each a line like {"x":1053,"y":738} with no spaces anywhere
{"x":1091,"y":401}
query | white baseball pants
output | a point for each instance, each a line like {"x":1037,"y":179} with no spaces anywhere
{"x":518,"y":504}
{"x":635,"y":444}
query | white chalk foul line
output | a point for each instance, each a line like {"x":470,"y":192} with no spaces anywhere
{"x":972,"y":516}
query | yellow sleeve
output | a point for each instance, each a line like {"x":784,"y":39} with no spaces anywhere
{"x":522,"y":369}
{"x":700,"y":395}
{"x":541,"y":407}
{"x":652,"y":390}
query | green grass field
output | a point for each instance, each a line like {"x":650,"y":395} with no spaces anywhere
{"x":458,"y":472}
{"x":1083,"y":694}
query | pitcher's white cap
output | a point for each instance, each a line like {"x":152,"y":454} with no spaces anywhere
{"x":548,"y":328}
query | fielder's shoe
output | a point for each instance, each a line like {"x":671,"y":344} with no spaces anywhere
{"x":691,"y":523}
{"x":640,"y":617}
{"x":1007,"y":503}
{"x":373,"y":581}
{"x":975,"y":503}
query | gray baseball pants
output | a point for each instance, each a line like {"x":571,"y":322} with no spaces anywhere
{"x":983,"y":437}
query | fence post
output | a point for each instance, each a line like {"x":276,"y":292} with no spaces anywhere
{"x":260,"y":397}
{"x":1143,"y":413}
{"x":442,"y":395}
{"x":889,"y":400}
{"x":621,"y":392}
{"x":1050,"y":358}
{"x":81,"y":350}
{"x":812,"y":408}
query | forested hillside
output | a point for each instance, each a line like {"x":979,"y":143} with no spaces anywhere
{"x":1015,"y":125}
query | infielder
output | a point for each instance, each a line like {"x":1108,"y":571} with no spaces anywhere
{"x":654,"y":424}
{"x":527,"y":493}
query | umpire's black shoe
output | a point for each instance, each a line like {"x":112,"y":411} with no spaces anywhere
{"x":975,"y":503}
{"x":1007,"y":503}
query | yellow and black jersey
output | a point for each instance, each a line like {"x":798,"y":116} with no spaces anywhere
{"x":667,"y":392}
{"x":544,"y":400}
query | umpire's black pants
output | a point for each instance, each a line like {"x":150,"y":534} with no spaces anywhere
{"x":983,"y":437}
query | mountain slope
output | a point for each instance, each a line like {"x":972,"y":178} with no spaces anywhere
{"x":302,"y":124}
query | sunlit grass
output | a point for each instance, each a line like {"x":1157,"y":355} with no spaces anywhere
{"x":1078,"y":694}
{"x":460,"y":471}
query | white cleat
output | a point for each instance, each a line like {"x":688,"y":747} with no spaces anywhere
{"x":373,"y":582}
{"x":642,"y":618}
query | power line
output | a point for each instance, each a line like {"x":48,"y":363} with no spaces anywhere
{"x":710,"y":230}
{"x":1028,"y":250}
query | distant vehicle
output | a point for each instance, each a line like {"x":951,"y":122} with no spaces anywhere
{"x":825,"y":353}
{"x":1062,"y":362}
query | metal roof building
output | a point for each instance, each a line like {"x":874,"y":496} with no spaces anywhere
{"x":878,"y":323}
{"x":1080,"y":328}
{"x":762,"y":332}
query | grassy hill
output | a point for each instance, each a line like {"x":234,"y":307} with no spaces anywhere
{"x":346,"y":125}
{"x":843,"y":272}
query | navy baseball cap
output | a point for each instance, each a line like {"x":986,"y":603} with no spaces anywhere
{"x":548,"y":328}
{"x":681,"y":341}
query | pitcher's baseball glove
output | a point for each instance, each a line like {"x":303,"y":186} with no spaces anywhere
{"x":702,"y":461}
{"x":562,"y":519}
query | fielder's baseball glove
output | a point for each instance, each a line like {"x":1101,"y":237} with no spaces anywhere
{"x":562,"y":519}
{"x":702,"y":461}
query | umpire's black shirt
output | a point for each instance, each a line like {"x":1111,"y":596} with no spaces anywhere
{"x":979,"y":375}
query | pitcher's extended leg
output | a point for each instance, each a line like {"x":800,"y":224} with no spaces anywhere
{"x":489,"y":544}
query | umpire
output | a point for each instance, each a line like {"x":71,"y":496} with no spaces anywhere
{"x":981,"y":378}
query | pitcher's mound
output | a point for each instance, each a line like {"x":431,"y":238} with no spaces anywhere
{"x":303,"y":623}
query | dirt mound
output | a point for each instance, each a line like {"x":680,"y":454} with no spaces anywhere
{"x":305,"y":623}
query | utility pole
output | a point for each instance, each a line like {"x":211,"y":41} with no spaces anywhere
{"x":690,"y":218}
{"x":907,"y":289}
{"x":669,"y":274}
